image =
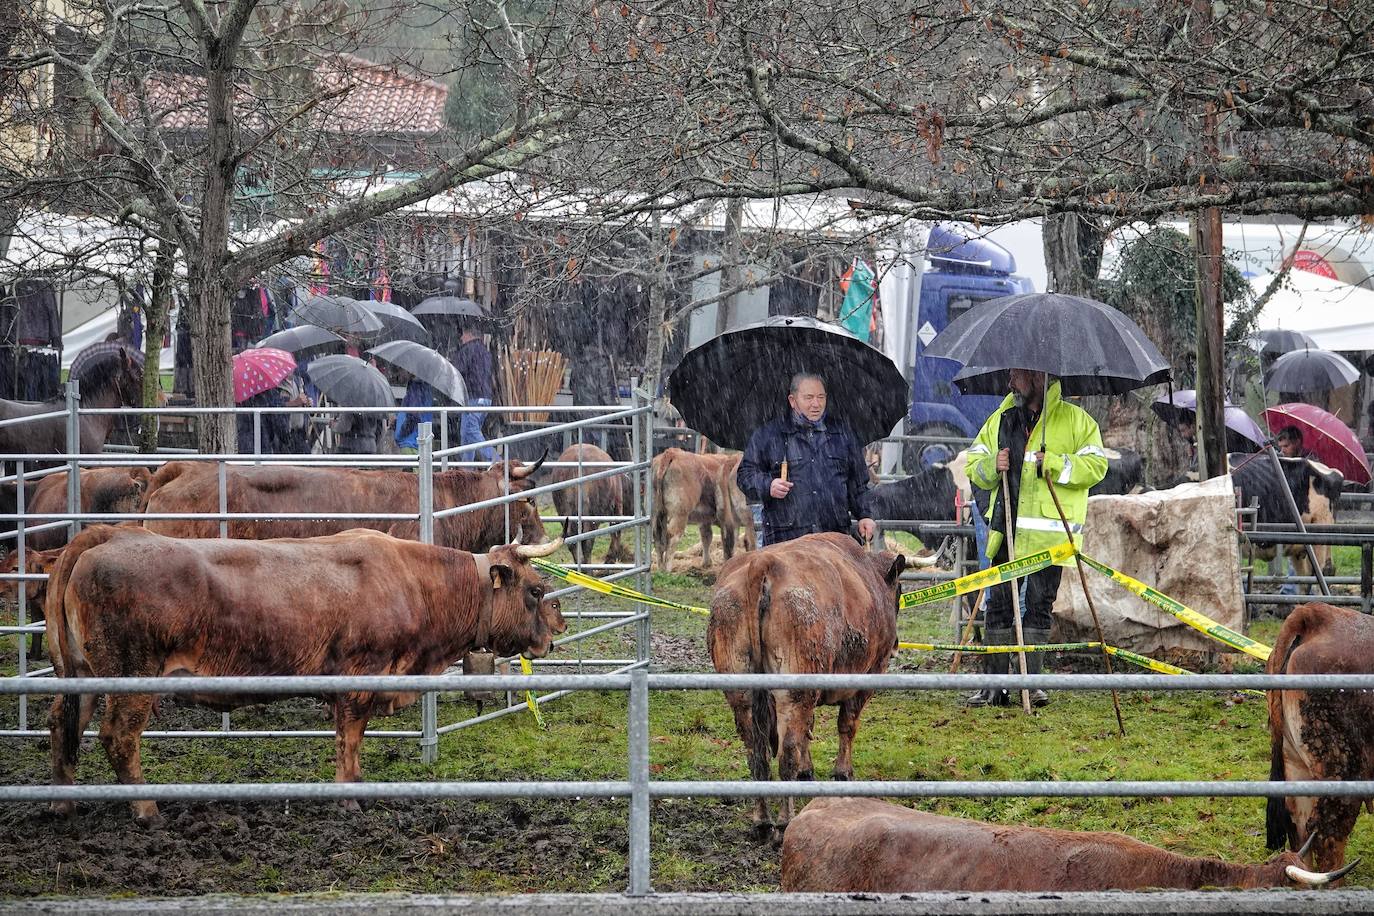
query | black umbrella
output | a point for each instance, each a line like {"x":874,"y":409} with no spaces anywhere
{"x":398,"y":324}
{"x":304,"y":339}
{"x":426,"y":365}
{"x":1310,"y":370}
{"x":1278,"y":342}
{"x":350,"y":382}
{"x":338,"y":313}
{"x":731,"y":385}
{"x":1091,"y":347}
{"x":449,"y":306}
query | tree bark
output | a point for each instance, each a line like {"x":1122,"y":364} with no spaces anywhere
{"x":1073,"y":253}
{"x":154,"y":330}
{"x":658,"y":310}
{"x":210,"y":287}
{"x":730,"y":264}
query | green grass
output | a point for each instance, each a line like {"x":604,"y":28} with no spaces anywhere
{"x":699,"y":844}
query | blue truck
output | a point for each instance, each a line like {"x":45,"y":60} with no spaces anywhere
{"x":962,"y":271}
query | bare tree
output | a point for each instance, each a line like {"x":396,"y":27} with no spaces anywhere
{"x":195,"y":102}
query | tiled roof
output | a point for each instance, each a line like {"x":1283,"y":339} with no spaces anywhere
{"x":372,"y":99}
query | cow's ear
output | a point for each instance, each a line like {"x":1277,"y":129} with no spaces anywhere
{"x":501,"y":575}
{"x":895,"y":570}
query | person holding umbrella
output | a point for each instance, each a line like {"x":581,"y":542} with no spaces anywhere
{"x":807,"y":469}
{"x":418,"y":394}
{"x":473,"y":361}
{"x":1037,"y":436}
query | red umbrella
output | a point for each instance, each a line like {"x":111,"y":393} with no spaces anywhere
{"x":260,"y":369}
{"x":1328,"y":439}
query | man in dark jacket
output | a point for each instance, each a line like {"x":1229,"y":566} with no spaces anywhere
{"x":808,"y":471}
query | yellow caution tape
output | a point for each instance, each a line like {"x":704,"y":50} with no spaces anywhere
{"x":527,"y":668}
{"x":996,"y":650}
{"x":984,"y":578}
{"x":614,"y":589}
{"x":1192,"y":618}
{"x":1158,"y":666}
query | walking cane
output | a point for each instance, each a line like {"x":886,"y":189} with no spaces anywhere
{"x":1015,"y":590}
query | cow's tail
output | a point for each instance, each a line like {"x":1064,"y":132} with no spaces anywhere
{"x":660,"y":471}
{"x":1278,"y":821}
{"x":764,"y":712}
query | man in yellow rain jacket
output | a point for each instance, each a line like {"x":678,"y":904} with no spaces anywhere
{"x":1042,"y":437}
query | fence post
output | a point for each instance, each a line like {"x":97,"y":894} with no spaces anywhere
{"x":23,"y":586}
{"x":642,"y":450}
{"x":429,"y":703}
{"x":73,"y":448}
{"x":257,"y":433}
{"x":222,"y":479}
{"x":639,"y":783}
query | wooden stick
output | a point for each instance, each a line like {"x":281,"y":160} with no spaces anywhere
{"x":1083,"y":581}
{"x":968,"y":631}
{"x":1015,"y":588}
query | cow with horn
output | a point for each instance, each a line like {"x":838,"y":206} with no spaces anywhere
{"x":124,"y":602}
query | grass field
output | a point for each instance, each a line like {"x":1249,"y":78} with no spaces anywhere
{"x":699,"y":844}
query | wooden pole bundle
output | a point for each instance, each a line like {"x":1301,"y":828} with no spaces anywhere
{"x":533,"y":377}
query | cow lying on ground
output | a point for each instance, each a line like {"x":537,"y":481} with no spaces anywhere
{"x":698,"y":490}
{"x":1315,"y":488}
{"x":1320,"y":734}
{"x":184,"y":487}
{"x":128,"y":603}
{"x":815,"y":605}
{"x":599,"y":497}
{"x":852,"y":845}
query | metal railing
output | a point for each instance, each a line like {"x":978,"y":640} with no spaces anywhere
{"x":632,"y":422}
{"x":639,"y":786}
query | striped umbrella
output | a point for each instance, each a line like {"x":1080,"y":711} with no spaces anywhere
{"x":98,"y":353}
{"x":260,"y":369}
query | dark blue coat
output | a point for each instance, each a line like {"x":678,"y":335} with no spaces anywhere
{"x":827,"y":470}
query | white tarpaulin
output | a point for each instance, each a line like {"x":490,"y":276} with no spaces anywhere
{"x":96,"y":330}
{"x":1336,"y":315}
{"x":1181,"y":541}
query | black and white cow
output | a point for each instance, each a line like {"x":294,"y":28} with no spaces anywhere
{"x":928,"y":495}
{"x":1314,"y":486}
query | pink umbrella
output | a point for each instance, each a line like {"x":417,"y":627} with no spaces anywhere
{"x":260,"y":369}
{"x":1328,"y":439}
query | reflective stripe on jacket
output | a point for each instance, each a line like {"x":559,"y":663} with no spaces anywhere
{"x":1074,"y":460}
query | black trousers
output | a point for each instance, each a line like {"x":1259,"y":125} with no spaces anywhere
{"x":1041,"y":589}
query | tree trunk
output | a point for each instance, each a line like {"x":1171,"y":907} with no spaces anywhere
{"x":211,"y":290}
{"x":1211,"y":383}
{"x":154,"y":329}
{"x":658,"y":310}
{"x":730,"y":264}
{"x":1073,"y":253}
{"x":210,"y":345}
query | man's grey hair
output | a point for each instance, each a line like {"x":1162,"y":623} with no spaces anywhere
{"x":801,"y":377}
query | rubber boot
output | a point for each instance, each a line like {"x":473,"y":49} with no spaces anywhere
{"x":993,"y":663}
{"x":1034,"y":662}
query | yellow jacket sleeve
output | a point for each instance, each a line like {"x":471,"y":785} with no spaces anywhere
{"x":1086,"y":465}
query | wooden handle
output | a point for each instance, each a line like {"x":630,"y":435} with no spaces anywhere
{"x":782,"y":475}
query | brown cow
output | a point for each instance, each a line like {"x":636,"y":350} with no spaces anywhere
{"x":183,"y":486}
{"x":698,"y":490}
{"x":128,"y":603}
{"x":600,"y":497}
{"x":38,"y":562}
{"x":122,"y":490}
{"x":1320,"y":734}
{"x":815,"y":605}
{"x":851,"y":845}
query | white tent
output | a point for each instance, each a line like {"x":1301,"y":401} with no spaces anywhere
{"x":96,"y":330}
{"x":1336,"y":315}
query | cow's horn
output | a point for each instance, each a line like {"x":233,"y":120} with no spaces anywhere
{"x":531,"y":551}
{"x":1319,"y":878}
{"x":1306,"y":847}
{"x":527,"y":470}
